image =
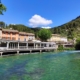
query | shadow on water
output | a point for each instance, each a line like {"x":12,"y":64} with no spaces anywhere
{"x":16,"y":69}
{"x":19,"y":70}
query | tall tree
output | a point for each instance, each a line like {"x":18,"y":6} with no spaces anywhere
{"x":2,"y":8}
{"x":2,"y":24}
{"x":44,"y":34}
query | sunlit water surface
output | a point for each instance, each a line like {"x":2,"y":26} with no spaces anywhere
{"x":44,"y":66}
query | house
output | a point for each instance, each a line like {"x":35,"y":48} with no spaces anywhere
{"x":57,"y":38}
{"x":23,"y":36}
{"x":31,"y":36}
{"x":10,"y":34}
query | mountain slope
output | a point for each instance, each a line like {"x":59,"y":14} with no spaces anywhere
{"x":70,"y":29}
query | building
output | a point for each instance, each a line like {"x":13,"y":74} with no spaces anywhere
{"x":54,"y":38}
{"x":10,"y":34}
{"x":13,"y":41}
{"x":64,"y":39}
{"x":0,"y":33}
{"x":57,"y":38}
{"x":23,"y":36}
{"x":31,"y":36}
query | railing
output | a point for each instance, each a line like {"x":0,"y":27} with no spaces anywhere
{"x":27,"y":48}
{"x":3,"y":48}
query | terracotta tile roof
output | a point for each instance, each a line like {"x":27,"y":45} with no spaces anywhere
{"x":9,"y":30}
{"x":30,"y":34}
{"x":24,"y":33}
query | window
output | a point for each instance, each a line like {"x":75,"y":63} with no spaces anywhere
{"x":9,"y":38}
{"x":20,"y":35}
{"x":4,"y":37}
{"x":13,"y":38}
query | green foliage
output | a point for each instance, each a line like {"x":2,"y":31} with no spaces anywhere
{"x":78,"y":40}
{"x":44,"y":34}
{"x":2,"y":8}
{"x":60,"y":47}
{"x":72,"y":48}
{"x":77,"y":45}
{"x":70,"y":30}
{"x":2,"y":24}
{"x":36,"y":30}
{"x":20,"y":27}
{"x":70,"y":34}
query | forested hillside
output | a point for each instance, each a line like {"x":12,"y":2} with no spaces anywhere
{"x":70,"y":29}
{"x":19,"y":27}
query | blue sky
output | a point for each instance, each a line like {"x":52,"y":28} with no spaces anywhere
{"x":45,"y":13}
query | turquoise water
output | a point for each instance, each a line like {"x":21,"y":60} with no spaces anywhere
{"x":44,"y":66}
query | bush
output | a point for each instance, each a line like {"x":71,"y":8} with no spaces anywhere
{"x":69,"y":48}
{"x":77,"y":45}
{"x":60,"y":47}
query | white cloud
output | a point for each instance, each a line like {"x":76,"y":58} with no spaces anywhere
{"x":37,"y":20}
{"x":47,"y":27}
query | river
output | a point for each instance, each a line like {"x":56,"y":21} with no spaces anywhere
{"x":41,"y":66}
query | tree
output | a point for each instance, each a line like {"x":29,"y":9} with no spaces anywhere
{"x":2,"y":8}
{"x":70,"y":34}
{"x":77,"y":46}
{"x":44,"y":34}
{"x":2,"y":24}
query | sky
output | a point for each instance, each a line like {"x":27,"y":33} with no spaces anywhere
{"x":40,"y":13}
